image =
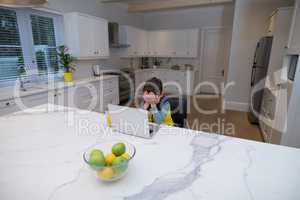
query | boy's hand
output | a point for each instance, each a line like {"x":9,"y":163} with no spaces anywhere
{"x":157,"y":99}
{"x":146,"y":105}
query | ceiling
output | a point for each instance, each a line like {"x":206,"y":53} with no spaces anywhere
{"x":155,"y":5}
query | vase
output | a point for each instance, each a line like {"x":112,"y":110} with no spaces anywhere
{"x":68,"y":77}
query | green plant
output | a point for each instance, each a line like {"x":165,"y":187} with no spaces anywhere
{"x":65,"y":59}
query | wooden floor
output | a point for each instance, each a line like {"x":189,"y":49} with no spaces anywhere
{"x":232,"y":123}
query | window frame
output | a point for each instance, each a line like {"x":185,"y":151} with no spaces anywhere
{"x":27,"y":44}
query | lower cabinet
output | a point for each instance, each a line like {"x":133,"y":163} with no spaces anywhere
{"x":93,"y":96}
{"x":19,"y":104}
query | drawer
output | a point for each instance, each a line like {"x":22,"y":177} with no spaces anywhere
{"x":110,"y":84}
{"x":6,"y":104}
{"x":110,"y":91}
{"x":35,"y":100}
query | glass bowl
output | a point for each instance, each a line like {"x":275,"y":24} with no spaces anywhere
{"x":110,"y":172}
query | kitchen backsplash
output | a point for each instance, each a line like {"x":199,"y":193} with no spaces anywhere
{"x":84,"y":67}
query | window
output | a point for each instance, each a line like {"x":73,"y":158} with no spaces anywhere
{"x":44,"y":44}
{"x":11,"y":56}
{"x":28,"y":43}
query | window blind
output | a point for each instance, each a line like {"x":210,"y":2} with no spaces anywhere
{"x":11,"y":55}
{"x":43,"y":33}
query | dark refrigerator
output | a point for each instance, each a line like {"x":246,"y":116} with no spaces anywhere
{"x":259,"y":73}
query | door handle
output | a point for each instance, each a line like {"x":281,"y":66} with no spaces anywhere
{"x":223,"y":72}
{"x":253,"y":76}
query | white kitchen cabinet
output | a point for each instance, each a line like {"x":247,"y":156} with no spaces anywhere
{"x":160,"y":43}
{"x":153,"y":43}
{"x":93,"y":96}
{"x":294,"y":39}
{"x":109,"y":93}
{"x":86,"y":36}
{"x":18,"y":104}
{"x":173,"y":43}
{"x":192,"y":43}
{"x":142,"y":43}
{"x":136,"y":38}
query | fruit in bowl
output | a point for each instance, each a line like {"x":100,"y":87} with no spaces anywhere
{"x":114,"y":165}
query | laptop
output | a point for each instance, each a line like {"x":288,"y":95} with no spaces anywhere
{"x":131,"y":121}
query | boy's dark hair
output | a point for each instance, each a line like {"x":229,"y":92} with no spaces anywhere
{"x":153,"y":85}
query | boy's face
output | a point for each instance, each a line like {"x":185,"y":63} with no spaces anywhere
{"x":151,"y":98}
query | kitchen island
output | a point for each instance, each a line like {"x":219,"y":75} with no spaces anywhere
{"x":41,"y":158}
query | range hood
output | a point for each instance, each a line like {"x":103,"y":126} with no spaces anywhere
{"x":114,"y":36}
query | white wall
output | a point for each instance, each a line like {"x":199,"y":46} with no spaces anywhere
{"x":190,"y":18}
{"x":250,"y":21}
{"x":213,"y":16}
{"x":112,"y":12}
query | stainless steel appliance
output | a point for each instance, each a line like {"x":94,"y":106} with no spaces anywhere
{"x":114,"y":36}
{"x":259,"y":73}
{"x":96,"y":70}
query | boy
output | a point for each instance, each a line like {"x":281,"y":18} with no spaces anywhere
{"x":156,"y":103}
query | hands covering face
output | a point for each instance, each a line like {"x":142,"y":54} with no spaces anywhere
{"x":151,"y":98}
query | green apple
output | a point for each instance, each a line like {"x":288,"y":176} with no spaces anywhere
{"x":97,"y":158}
{"x":118,"y":149}
{"x":119,"y":164}
{"x":96,"y":152}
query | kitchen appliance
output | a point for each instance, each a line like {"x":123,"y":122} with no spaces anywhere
{"x":96,"y":70}
{"x":259,"y":73}
{"x":114,"y":36}
{"x":126,"y":81}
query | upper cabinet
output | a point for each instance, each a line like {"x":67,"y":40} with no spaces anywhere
{"x":136,"y":38}
{"x":160,"y":43}
{"x":86,"y":36}
{"x":174,"y":43}
{"x":294,"y":39}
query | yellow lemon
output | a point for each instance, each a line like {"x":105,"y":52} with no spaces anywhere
{"x":106,"y":173}
{"x":109,"y":158}
{"x":126,"y":156}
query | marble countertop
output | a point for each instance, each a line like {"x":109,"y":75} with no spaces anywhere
{"x":162,"y":69}
{"x":9,"y":93}
{"x":41,"y":158}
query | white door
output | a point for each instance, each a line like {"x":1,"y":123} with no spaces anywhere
{"x":85,"y":36}
{"x":131,"y":39}
{"x":100,"y":37}
{"x":142,"y":43}
{"x":192,"y":43}
{"x":213,"y":60}
{"x":179,"y":47}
